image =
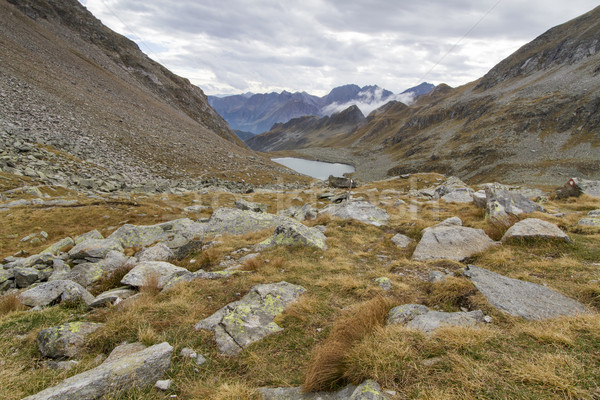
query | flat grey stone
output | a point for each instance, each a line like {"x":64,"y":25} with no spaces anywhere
{"x":368,"y":390}
{"x":144,"y":271}
{"x":113,"y":296}
{"x":362,"y":211}
{"x":448,"y":240}
{"x":158,"y":252}
{"x":174,"y":234}
{"x":66,"y":340}
{"x":294,"y":233}
{"x":533,"y":228}
{"x":250,"y":319}
{"x":94,"y":248}
{"x":401,"y":240}
{"x":87,"y":274}
{"x":232,"y":221}
{"x":95,"y":234}
{"x":420,"y":317}
{"x":522,"y":299}
{"x":55,"y":292}
{"x":140,"y":369}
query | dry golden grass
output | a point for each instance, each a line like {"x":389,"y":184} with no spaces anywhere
{"x":112,"y":281}
{"x":326,"y":369}
{"x":9,"y":303}
{"x":451,"y":294}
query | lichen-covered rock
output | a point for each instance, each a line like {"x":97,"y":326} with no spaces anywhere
{"x":87,"y":274}
{"x":401,"y":240}
{"x":592,"y":219}
{"x":250,"y":319}
{"x":242,"y":204}
{"x":144,"y":272}
{"x":113,"y":296}
{"x":173,"y":234}
{"x":55,"y":292}
{"x":533,"y":228}
{"x":60,"y":270}
{"x":294,"y":233}
{"x":158,"y":252}
{"x":384,"y":282}
{"x":522,"y":299}
{"x":94,"y":249}
{"x":238,"y":222}
{"x":95,"y":234}
{"x":368,"y":390}
{"x":66,"y":340}
{"x":502,"y":203}
{"x":25,"y":277}
{"x":362,"y":211}
{"x":420,"y":317}
{"x":140,"y":369}
{"x":452,"y":241}
{"x":61,"y":245}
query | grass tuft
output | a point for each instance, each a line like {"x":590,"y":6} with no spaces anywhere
{"x":326,"y":369}
{"x":10,"y":303}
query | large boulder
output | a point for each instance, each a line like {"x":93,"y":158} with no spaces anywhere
{"x":144,"y":272}
{"x":294,"y":233}
{"x":575,"y":187}
{"x":238,"y":222}
{"x":87,"y":274}
{"x":362,"y":211}
{"x":66,"y":340}
{"x":420,"y":317}
{"x":368,"y":390}
{"x":114,"y":376}
{"x":55,"y":292}
{"x":502,"y":204}
{"x":173,"y":234}
{"x":61,"y":245}
{"x":454,"y":191}
{"x":25,"y":277}
{"x":250,"y":319}
{"x":341,"y":183}
{"x":94,"y":249}
{"x":242,"y":204}
{"x":522,"y":299}
{"x":158,"y":252}
{"x":533,"y":228}
{"x":452,"y":241}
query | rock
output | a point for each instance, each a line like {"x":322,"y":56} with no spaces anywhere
{"x":454,"y":190}
{"x":341,"y":183}
{"x":158,"y":252}
{"x":449,"y":240}
{"x":88,"y":235}
{"x":300,"y":213}
{"x":66,"y":340}
{"x":368,"y":390}
{"x":384,"y":282}
{"x":502,"y":203}
{"x":401,"y":240}
{"x":163,"y":385}
{"x":575,"y":187}
{"x":87,"y":274}
{"x":232,"y":221}
{"x":293,"y":234}
{"x":173,"y":234}
{"x":420,"y":317}
{"x":61,"y":245}
{"x":405,"y":313}
{"x":362,"y":211}
{"x":113,"y":296}
{"x":140,"y":369}
{"x":437,"y":276}
{"x":25,"y":277}
{"x":94,"y":249}
{"x":460,"y":195}
{"x":533,"y":228}
{"x":144,"y":272}
{"x":123,"y":350}
{"x":55,"y":292}
{"x":242,"y":204}
{"x":592,"y":219}
{"x":250,"y":319}
{"x":196,"y":208}
{"x":480,"y":198}
{"x":522,"y":299}
{"x":60,"y":270}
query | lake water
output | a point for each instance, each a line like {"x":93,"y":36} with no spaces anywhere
{"x":316,"y":169}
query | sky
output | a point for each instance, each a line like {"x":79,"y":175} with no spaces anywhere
{"x":260,"y":46}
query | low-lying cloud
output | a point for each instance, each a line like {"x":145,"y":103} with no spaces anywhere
{"x":369,"y":101}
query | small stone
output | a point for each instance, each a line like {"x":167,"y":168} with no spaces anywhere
{"x":163,"y":385}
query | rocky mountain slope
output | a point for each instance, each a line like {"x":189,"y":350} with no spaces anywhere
{"x":303,"y":131}
{"x":90,"y":95}
{"x":259,"y":112}
{"x":535,"y":117}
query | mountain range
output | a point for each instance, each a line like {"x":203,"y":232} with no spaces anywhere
{"x":257,"y":113}
{"x":533,"y":118}
{"x":69,"y":83}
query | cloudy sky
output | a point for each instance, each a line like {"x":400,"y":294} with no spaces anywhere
{"x":236,"y":46}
